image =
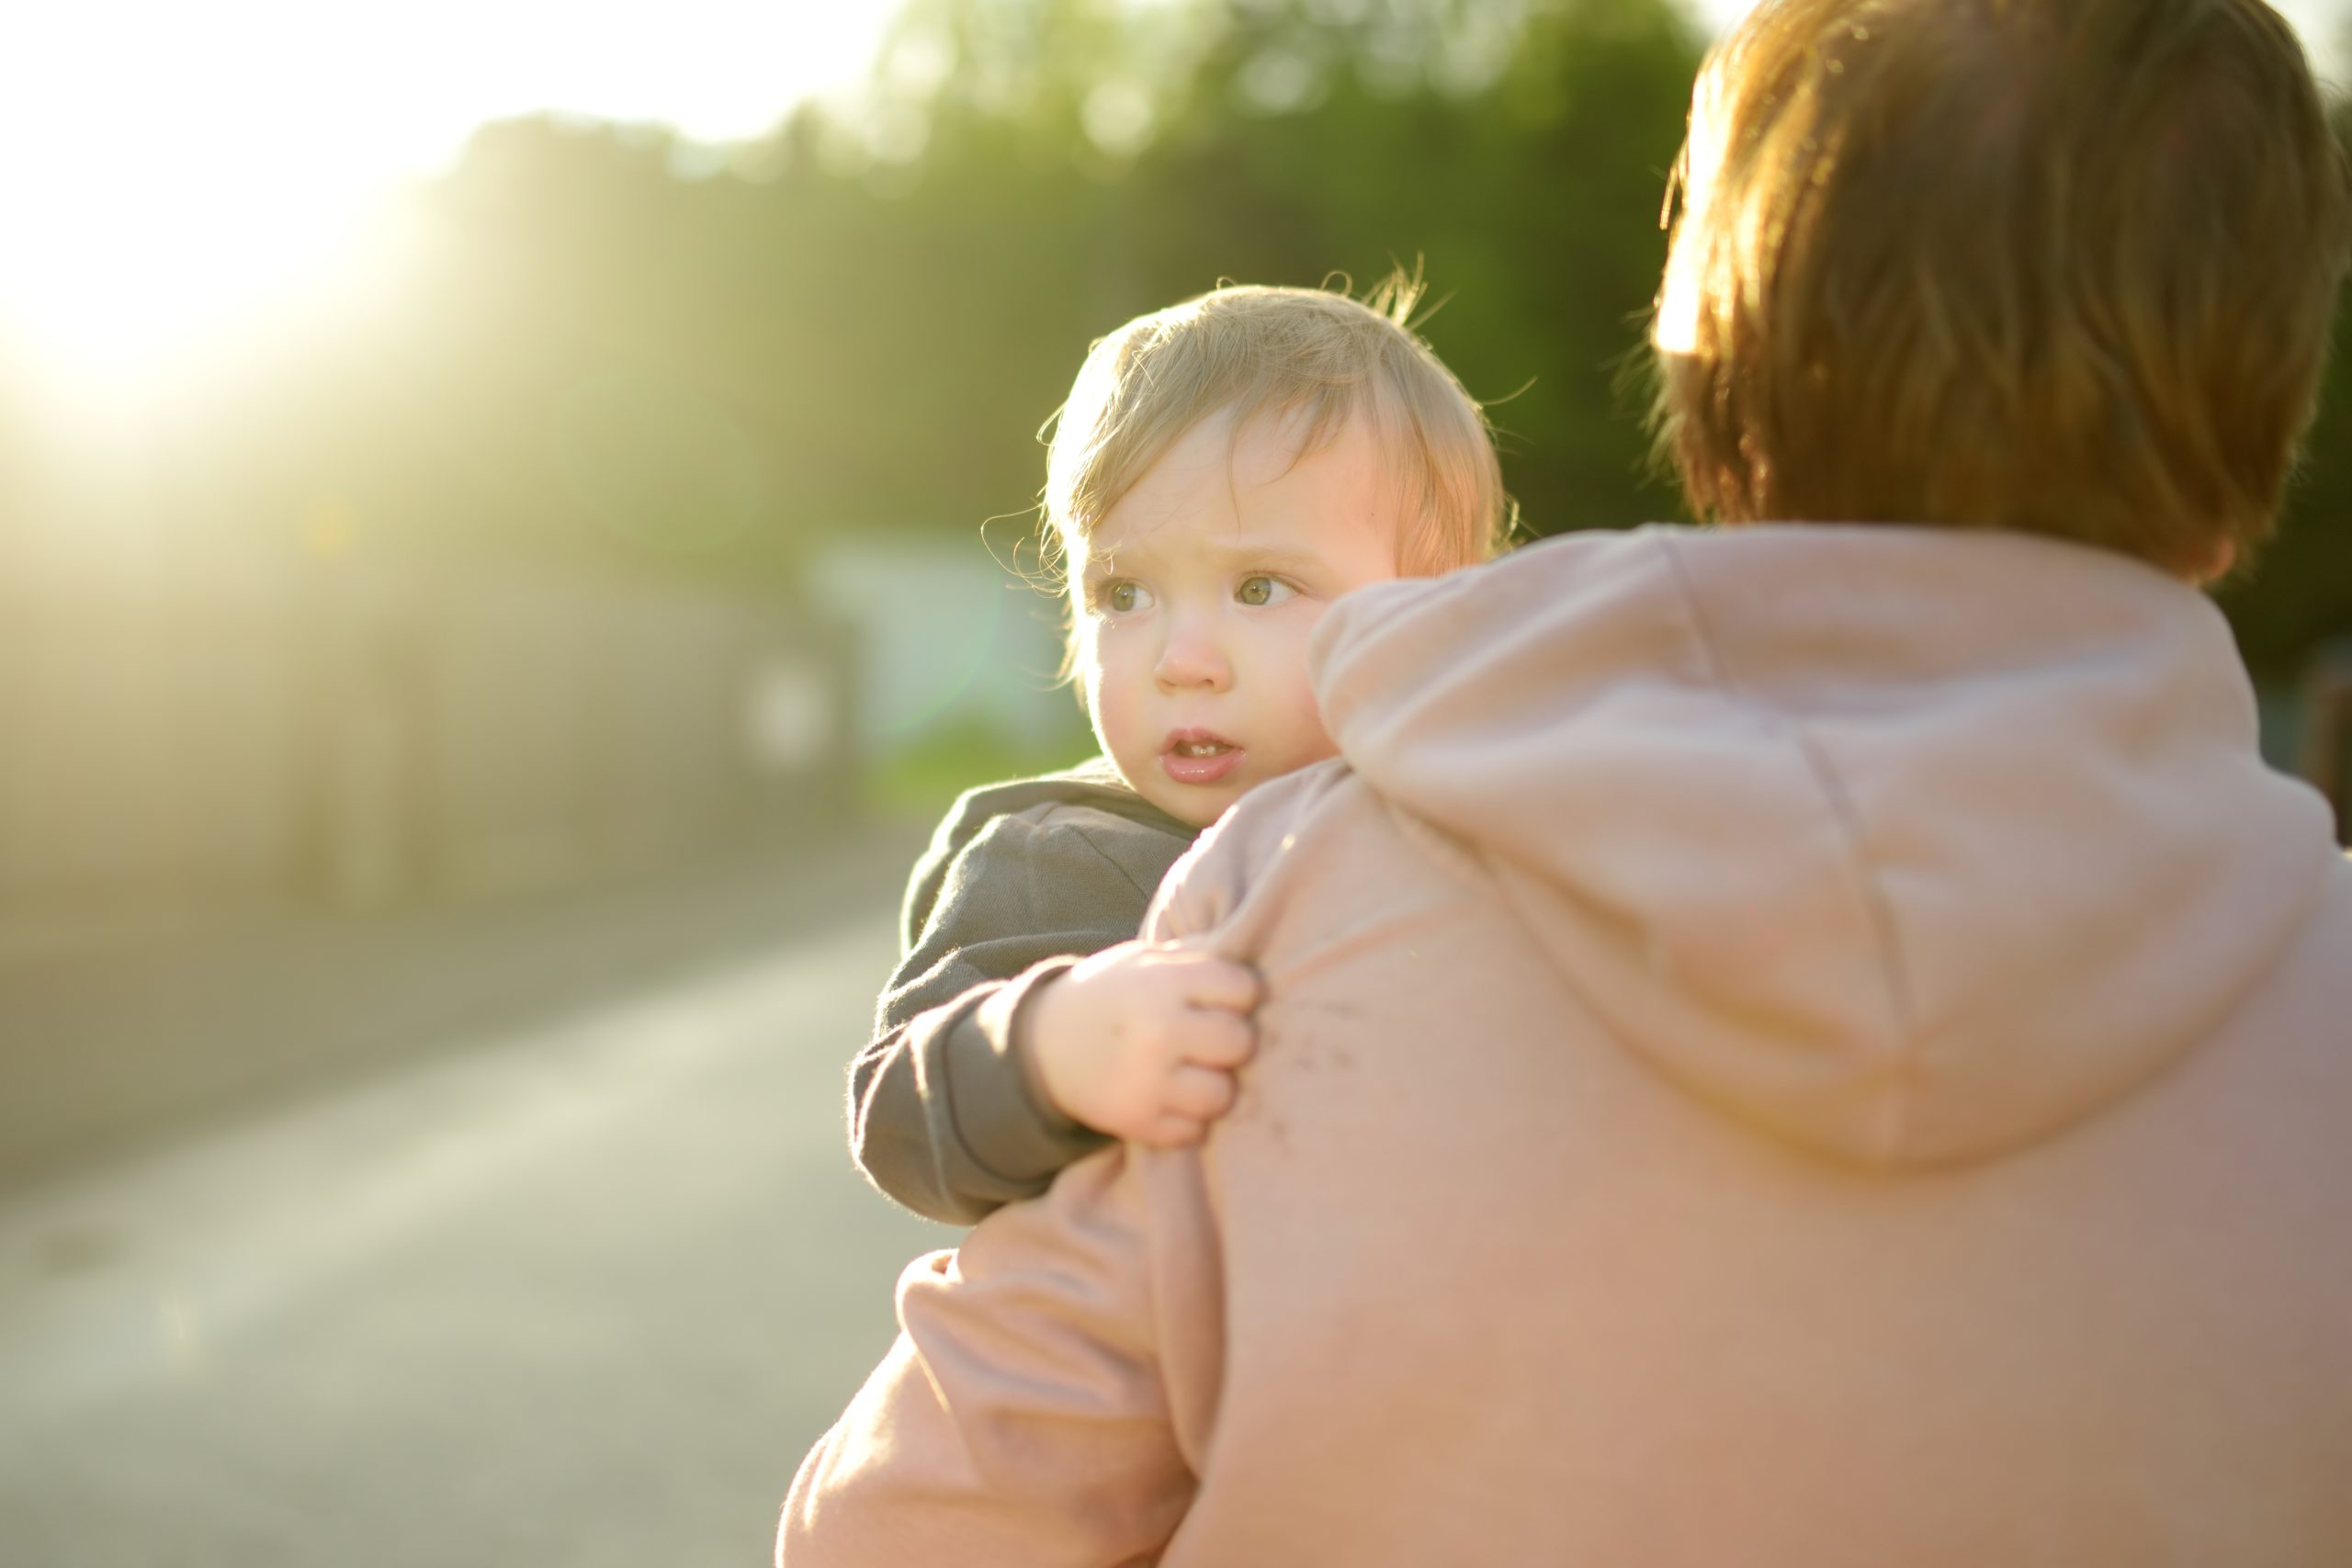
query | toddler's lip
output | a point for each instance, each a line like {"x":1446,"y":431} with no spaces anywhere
{"x":1196,"y":739}
{"x":1198,"y":757}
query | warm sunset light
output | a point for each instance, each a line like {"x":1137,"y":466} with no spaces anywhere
{"x":184,"y":182}
{"x":546,"y":723}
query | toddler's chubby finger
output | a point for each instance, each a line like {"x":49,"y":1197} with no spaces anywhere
{"x":1221,"y":1040}
{"x":1213,"y":982}
{"x":1203,"y":1093}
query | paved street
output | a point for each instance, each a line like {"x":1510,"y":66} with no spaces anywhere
{"x":580,"y":1293}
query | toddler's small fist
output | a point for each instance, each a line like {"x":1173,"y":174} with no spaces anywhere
{"x":1141,"y":1041}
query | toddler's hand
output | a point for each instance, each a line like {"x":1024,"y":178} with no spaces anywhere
{"x":1141,"y":1041}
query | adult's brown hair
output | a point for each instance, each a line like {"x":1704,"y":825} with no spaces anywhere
{"x":2065,"y":267}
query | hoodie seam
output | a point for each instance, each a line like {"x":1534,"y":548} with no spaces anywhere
{"x":1841,"y":810}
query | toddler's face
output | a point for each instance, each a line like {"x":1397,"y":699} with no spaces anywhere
{"x":1195,"y":596}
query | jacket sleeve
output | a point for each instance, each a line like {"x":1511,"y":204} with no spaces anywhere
{"x":942,"y":1118}
{"x":1050,"y":1394}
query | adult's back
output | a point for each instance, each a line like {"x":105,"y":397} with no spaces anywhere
{"x":1719,"y":1106}
{"x":1864,"y":1086}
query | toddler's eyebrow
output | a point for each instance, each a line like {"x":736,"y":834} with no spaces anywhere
{"x":1278,"y":554}
{"x":1270,"y":553}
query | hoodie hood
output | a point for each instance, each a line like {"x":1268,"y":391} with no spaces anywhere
{"x":1909,"y":844}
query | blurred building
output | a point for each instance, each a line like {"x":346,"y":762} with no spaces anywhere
{"x":258,"y":724}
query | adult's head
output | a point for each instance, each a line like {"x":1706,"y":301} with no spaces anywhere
{"x":2061,"y":266}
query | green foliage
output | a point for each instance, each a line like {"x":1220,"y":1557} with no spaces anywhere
{"x":865,"y":329}
{"x":2299,"y":591}
{"x":923,"y":779}
{"x":615,"y":353}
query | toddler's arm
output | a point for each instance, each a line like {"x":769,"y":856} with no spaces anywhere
{"x":942,"y":1116}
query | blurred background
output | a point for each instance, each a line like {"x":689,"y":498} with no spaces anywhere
{"x":513,"y":518}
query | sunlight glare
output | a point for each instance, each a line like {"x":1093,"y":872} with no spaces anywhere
{"x":180,"y":178}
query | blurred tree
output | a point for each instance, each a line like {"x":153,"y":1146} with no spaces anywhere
{"x":622,"y":353}
{"x":2299,"y":591}
{"x":623,"y":350}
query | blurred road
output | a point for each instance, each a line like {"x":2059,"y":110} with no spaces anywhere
{"x":578,"y":1290}
{"x":114,"y":1033}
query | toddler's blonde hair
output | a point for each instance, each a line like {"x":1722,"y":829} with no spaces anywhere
{"x":1254,"y":351}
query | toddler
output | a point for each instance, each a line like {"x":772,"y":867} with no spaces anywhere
{"x":1222,"y":470}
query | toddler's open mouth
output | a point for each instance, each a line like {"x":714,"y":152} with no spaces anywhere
{"x":1198,"y":756}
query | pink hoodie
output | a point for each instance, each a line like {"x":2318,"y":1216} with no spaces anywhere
{"x":1787,"y":1046}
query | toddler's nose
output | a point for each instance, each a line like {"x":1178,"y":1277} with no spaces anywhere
{"x":1192,"y":658}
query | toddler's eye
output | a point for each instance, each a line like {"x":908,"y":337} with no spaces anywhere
{"x":1264,"y":590}
{"x":1122,"y":597}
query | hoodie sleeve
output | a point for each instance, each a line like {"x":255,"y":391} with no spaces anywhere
{"x":1048,"y":1398}
{"x":1053,"y":1384}
{"x":1207,"y":894}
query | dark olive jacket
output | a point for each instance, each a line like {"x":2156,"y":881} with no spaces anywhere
{"x":1022,"y":880}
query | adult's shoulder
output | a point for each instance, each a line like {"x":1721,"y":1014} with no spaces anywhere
{"x":1282,"y":824}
